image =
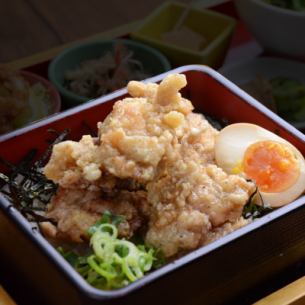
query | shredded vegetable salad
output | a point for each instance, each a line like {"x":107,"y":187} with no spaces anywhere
{"x":111,"y":71}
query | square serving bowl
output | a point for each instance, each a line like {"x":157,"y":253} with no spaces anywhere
{"x":213,"y":274}
{"x":216,"y":28}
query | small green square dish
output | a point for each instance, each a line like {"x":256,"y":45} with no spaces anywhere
{"x":215,"y":28}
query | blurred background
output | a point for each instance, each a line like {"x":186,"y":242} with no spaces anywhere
{"x":58,"y":54}
{"x":31,"y":26}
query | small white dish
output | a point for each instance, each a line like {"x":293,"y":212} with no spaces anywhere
{"x":277,"y":29}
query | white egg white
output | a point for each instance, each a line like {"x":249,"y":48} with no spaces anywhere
{"x":231,"y":145}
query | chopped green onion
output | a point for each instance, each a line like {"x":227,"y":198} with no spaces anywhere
{"x":114,"y":262}
{"x":128,"y":261}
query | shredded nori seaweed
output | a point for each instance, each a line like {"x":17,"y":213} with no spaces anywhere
{"x":26,"y":187}
{"x":253,"y":210}
{"x":215,"y":122}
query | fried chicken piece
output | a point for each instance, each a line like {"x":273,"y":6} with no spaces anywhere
{"x":75,"y":211}
{"x":132,"y":139}
{"x":78,"y":165}
{"x":198,"y":139}
{"x":185,"y":232}
{"x":135,"y":136}
{"x":151,"y":141}
{"x":225,"y":229}
{"x":74,"y":163}
{"x":192,"y":196}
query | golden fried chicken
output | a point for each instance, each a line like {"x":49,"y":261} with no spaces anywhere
{"x":152,"y":141}
{"x":135,"y":136}
{"x":75,"y":211}
{"x":74,"y":163}
{"x":189,"y":198}
{"x":132,"y":139}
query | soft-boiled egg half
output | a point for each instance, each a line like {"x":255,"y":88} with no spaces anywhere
{"x":275,"y":165}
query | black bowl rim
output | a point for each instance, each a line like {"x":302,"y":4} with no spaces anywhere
{"x":52,"y":254}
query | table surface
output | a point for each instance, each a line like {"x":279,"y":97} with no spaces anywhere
{"x":41,"y":25}
{"x":5,"y":299}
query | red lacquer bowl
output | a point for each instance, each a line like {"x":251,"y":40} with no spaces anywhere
{"x":213,"y":274}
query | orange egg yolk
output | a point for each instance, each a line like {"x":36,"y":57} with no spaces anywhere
{"x":272,"y":165}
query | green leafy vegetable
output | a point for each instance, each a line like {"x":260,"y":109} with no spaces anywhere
{"x":289,"y":96}
{"x":283,"y":95}
{"x":296,"y":5}
{"x":106,"y":218}
{"x":253,"y":210}
{"x":80,"y":264}
{"x":114,"y":262}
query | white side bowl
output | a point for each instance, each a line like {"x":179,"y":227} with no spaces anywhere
{"x":276,"y":29}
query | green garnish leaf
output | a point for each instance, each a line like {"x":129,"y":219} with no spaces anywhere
{"x":117,"y":219}
{"x":121,"y":250}
{"x":253,"y":210}
{"x":289,"y":96}
{"x":70,"y":256}
{"x":107,"y":217}
{"x":296,"y":5}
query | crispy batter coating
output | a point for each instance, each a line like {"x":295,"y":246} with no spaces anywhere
{"x":191,"y":197}
{"x":75,"y":211}
{"x":133,"y":140}
{"x":225,"y":229}
{"x":74,"y":163}
{"x":135,"y":136}
{"x":151,"y":141}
